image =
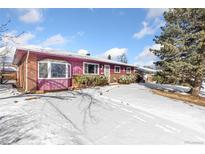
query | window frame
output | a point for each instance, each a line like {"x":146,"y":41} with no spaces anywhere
{"x":116,"y":67}
{"x":49,"y":62}
{"x":130,"y":70}
{"x":42,"y":62}
{"x":90,"y":64}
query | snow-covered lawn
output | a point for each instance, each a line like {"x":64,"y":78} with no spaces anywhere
{"x":120,"y":114}
{"x":173,"y":88}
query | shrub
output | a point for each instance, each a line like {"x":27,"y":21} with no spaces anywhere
{"x":88,"y":81}
{"x":100,"y":80}
{"x":127,"y":79}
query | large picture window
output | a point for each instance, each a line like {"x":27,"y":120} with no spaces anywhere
{"x":53,"y":70}
{"x":58,"y":70}
{"x":91,"y":68}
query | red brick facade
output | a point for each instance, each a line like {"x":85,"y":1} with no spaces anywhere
{"x":30,"y":60}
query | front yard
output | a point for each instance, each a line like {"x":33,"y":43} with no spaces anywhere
{"x":120,"y":114}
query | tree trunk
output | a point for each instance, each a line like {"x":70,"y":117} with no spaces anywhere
{"x":1,"y":77}
{"x":197,"y":84}
{"x":195,"y":91}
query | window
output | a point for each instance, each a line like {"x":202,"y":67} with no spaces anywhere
{"x":128,"y":70}
{"x":43,"y":70}
{"x":53,"y":70}
{"x":58,"y":70}
{"x":91,"y":68}
{"x":117,"y":69}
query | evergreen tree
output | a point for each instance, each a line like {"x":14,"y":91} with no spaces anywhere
{"x":182,"y":52}
{"x":109,"y":57}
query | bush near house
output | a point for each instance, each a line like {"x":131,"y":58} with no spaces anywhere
{"x":82,"y":81}
{"x":127,"y":79}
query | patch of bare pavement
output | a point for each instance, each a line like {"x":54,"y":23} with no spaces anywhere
{"x":125,"y":114}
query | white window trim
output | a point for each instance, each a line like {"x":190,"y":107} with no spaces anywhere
{"x":91,"y":64}
{"x":49,"y":69}
{"x":115,"y":69}
{"x":128,"y":71}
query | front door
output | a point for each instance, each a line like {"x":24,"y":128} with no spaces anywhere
{"x":107,"y":71}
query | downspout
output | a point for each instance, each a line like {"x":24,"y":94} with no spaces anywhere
{"x":26,"y":90}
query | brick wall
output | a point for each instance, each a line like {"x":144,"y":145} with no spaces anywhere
{"x":76,"y":69}
{"x":32,"y":72}
{"x":116,"y":76}
{"x":21,"y":74}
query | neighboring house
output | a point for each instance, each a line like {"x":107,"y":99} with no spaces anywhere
{"x":45,"y":69}
{"x":146,"y":73}
{"x":8,"y":72}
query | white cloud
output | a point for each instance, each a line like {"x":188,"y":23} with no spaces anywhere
{"x":33,"y":46}
{"x":31,"y":15}
{"x":115,"y":52}
{"x":11,"y":39}
{"x":83,"y":52}
{"x":54,"y":40}
{"x":146,"y":58}
{"x":155,"y":12}
{"x":148,"y":29}
{"x":151,"y":23}
{"x":24,"y":38}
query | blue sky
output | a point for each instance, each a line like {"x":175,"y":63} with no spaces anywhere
{"x":98,"y":31}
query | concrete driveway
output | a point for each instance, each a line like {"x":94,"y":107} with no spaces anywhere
{"x":124,"y":114}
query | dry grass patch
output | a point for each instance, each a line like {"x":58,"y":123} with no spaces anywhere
{"x":186,"y":98}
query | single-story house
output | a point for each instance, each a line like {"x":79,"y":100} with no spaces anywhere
{"x":7,"y":72}
{"x":47,"y":69}
{"x":146,"y":73}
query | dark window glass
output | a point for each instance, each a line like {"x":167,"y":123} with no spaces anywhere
{"x":91,"y":69}
{"x":58,"y":70}
{"x":117,"y":69}
{"x":43,"y":70}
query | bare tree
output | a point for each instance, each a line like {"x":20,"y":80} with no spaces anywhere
{"x":5,"y":40}
{"x":122,"y":58}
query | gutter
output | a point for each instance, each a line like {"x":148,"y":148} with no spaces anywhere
{"x":26,"y":90}
{"x":42,"y":51}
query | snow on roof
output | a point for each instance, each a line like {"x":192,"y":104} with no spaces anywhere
{"x":147,"y":69}
{"x":8,"y":69}
{"x":70,"y":54}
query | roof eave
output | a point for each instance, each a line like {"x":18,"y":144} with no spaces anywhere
{"x":75,"y":56}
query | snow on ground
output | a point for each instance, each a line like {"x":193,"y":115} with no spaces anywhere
{"x":28,"y":119}
{"x":120,"y":114}
{"x":174,"y":88}
{"x":186,"y":122}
